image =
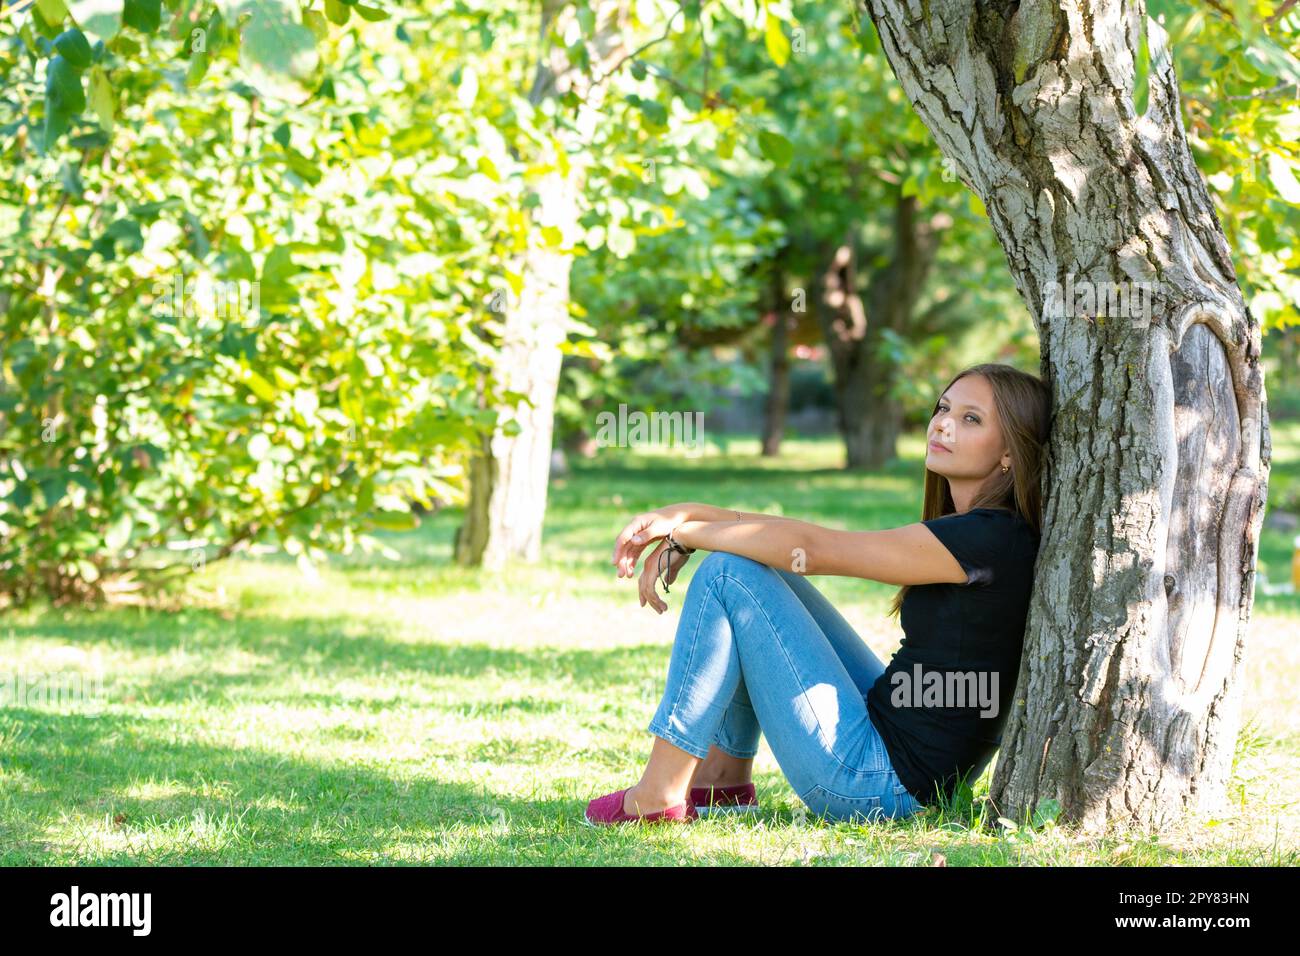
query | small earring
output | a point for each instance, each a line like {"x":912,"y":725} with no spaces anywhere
{"x":1004,"y":469}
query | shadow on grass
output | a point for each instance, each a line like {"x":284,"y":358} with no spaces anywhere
{"x":279,"y":809}
{"x":320,"y":648}
{"x":85,"y":765}
{"x":332,"y":813}
{"x":62,"y":765}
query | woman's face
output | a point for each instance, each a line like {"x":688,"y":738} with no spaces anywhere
{"x":965,"y":435}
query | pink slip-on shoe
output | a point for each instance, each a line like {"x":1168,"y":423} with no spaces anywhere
{"x":741,"y":798}
{"x":609,"y":809}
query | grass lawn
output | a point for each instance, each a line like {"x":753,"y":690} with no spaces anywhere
{"x":413,"y":711}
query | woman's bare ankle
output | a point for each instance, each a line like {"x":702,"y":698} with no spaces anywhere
{"x":720,"y":780}
{"x":721,"y":769}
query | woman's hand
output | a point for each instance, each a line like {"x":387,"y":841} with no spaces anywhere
{"x":640,"y":531}
{"x":650,"y":574}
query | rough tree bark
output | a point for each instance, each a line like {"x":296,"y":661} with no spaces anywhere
{"x":1129,"y":693}
{"x":508,"y":481}
{"x":870,"y":420}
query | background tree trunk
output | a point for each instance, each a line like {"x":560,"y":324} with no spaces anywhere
{"x":778,"y":393}
{"x":507,"y":500}
{"x":1128,"y":700}
{"x":870,"y":419}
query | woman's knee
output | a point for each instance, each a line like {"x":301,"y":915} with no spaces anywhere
{"x":790,"y":577}
{"x":725,"y":560}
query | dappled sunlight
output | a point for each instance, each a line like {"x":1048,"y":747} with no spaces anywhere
{"x":1272,"y":670}
{"x":425,"y":714}
{"x":819,"y":705}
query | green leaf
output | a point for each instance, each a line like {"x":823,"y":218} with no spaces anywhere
{"x":655,"y":112}
{"x":315,"y":22}
{"x":124,"y":45}
{"x":371,"y":13}
{"x":63,"y":86}
{"x":56,"y":124}
{"x":55,"y":489}
{"x":285,"y":378}
{"x":69,"y":177}
{"x":778,"y":46}
{"x":74,"y":47}
{"x":199,"y":63}
{"x":64,"y":99}
{"x":52,"y":10}
{"x":274,"y":40}
{"x":101,"y":98}
{"x":143,"y":15}
{"x":21,"y":496}
{"x":775,"y":147}
{"x":28,"y":36}
{"x":216,"y":31}
{"x":303,"y":166}
{"x":1267,"y":56}
{"x":1044,"y":811}
{"x":259,"y":386}
{"x":85,"y":481}
{"x":727,"y":144}
{"x":337,"y":11}
{"x":279,"y":265}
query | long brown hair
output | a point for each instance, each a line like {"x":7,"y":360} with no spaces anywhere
{"x":1024,"y":405}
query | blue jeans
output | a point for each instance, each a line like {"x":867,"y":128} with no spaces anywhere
{"x":761,"y":648}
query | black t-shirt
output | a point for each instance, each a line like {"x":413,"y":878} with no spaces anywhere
{"x":934,"y":704}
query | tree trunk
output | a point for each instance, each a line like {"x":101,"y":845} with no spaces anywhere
{"x":1129,"y":690}
{"x":844,"y":324}
{"x":507,"y":501}
{"x":870,"y":419}
{"x":472,"y":535}
{"x":778,"y":393}
{"x":530,"y":365}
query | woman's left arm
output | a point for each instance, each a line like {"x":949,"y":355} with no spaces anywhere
{"x":778,"y":544}
{"x":907,"y":555}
